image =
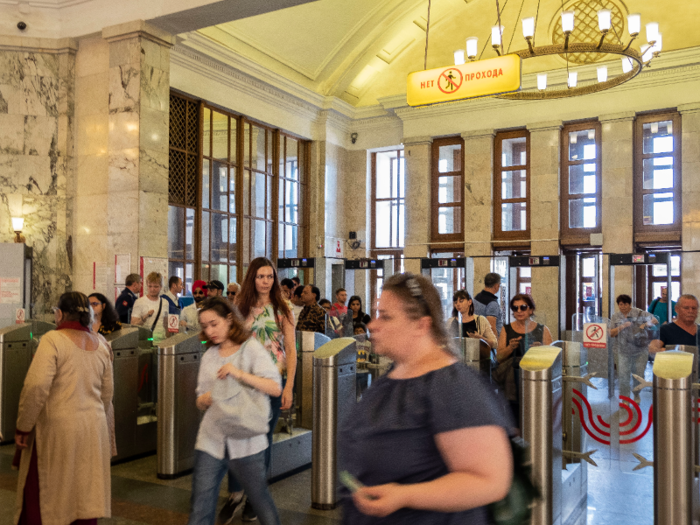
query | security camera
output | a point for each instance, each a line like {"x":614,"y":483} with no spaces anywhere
{"x":21,"y":26}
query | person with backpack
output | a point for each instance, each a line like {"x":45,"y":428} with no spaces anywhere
{"x":659,"y":307}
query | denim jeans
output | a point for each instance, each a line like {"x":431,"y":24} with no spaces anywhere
{"x":206,"y":480}
{"x":628,"y":365}
{"x":276,"y":409}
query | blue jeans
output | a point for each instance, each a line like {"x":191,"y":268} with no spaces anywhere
{"x":276,"y":409}
{"x":206,"y":480}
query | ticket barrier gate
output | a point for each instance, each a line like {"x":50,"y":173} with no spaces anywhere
{"x":476,"y":354}
{"x":18,"y":343}
{"x":307,"y":344}
{"x":334,"y":395}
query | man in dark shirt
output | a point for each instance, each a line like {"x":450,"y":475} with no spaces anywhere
{"x":312,"y":318}
{"x":682,"y":331}
{"x":486,"y":302}
{"x":125,"y":302}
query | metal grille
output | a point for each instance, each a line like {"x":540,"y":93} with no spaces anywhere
{"x":184,"y":125}
{"x":191,"y":198}
{"x":178,"y":177}
{"x":192,"y":124}
{"x":586,"y":28}
{"x":178,"y":126}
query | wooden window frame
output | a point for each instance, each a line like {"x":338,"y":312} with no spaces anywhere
{"x":580,"y":236}
{"x":435,"y":206}
{"x":662,"y":232}
{"x":302,"y":182}
{"x":498,"y":233}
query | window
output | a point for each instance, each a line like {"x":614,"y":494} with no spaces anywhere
{"x":447,"y":182}
{"x":583,"y":285}
{"x":580,"y":182}
{"x":448,"y":280}
{"x":292,"y":183}
{"x":651,"y":279}
{"x":657,"y":184}
{"x":512,"y":185}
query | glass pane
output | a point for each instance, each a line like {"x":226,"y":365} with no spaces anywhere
{"x":450,"y":158}
{"x":268,"y":201}
{"x":232,"y":274}
{"x":385,"y":170}
{"x":220,"y":137}
{"x":582,"y":145}
{"x":449,"y":220}
{"x":657,"y":208}
{"x":205,"y":235}
{"x":258,"y":193}
{"x":259,"y":151}
{"x":219,"y":185}
{"x":206,"y":133}
{"x":659,"y":270}
{"x":219,"y":237}
{"x":513,"y":152}
{"x":657,"y":137}
{"x":189,"y":278}
{"x":233,"y":243}
{"x":246,"y":192}
{"x":658,"y":173}
{"x":582,"y":213}
{"x":588,"y":266}
{"x":219,"y":272}
{"x":176,"y":237}
{"x":232,"y":190}
{"x":233,"y":140}
{"x":582,"y":178}
{"x":675,"y":290}
{"x":292,"y":160}
{"x":247,"y":238}
{"x":524,"y":273}
{"x":281,"y":199}
{"x":205,"y":183}
{"x":291,"y":241}
{"x":293,"y":203}
{"x":204,"y":274}
{"x":449,"y":190}
{"x":513,"y":216}
{"x":402,"y":222}
{"x":514,"y":184}
{"x":246,"y":144}
{"x":189,"y":234}
{"x":259,"y":239}
{"x":383,"y":227}
{"x":280,"y":240}
{"x":402,"y":175}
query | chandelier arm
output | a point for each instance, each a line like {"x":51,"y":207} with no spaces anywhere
{"x":630,"y":43}
{"x":427,"y":34}
{"x":498,"y":11}
{"x":602,"y":39}
{"x":522,"y":4}
{"x":537,"y":17}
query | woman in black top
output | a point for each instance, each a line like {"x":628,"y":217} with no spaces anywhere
{"x":428,"y":439}
{"x":355,"y":307}
{"x":106,"y":319}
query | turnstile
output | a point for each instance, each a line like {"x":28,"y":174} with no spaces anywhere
{"x":476,"y":354}
{"x":177,"y":412}
{"x":307,"y":344}
{"x":17,"y":347}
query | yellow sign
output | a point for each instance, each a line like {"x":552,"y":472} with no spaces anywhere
{"x":475,"y":79}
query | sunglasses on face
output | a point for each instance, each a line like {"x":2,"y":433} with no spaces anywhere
{"x":230,"y":293}
{"x":521,"y":307}
{"x":197,"y":293}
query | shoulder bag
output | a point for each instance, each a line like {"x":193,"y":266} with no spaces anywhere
{"x":160,"y":309}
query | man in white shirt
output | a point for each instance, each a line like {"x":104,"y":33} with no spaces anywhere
{"x":190,"y":314}
{"x":175,"y":287}
{"x":151,"y":310}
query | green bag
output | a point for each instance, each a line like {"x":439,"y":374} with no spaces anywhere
{"x":516,"y":507}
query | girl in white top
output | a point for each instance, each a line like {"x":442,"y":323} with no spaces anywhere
{"x":474,"y":326}
{"x":231,"y":353}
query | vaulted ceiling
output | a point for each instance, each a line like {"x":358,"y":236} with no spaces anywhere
{"x":362,"y":50}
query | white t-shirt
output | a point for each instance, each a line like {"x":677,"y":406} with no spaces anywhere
{"x":190,"y":314}
{"x":142,"y":306}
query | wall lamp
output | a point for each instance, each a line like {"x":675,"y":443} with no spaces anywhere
{"x":17,"y":225}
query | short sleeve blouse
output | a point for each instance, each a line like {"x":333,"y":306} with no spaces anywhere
{"x":263,"y":323}
{"x":389,"y":436}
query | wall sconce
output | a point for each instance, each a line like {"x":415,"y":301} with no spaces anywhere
{"x":17,"y":225}
{"x":353,"y":137}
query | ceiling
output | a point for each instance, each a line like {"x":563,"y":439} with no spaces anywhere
{"x":361,"y":51}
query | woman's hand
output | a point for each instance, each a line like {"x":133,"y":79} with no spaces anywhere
{"x":22,"y":440}
{"x":473,"y":335}
{"x":287,"y":397}
{"x":229,"y":370}
{"x":204,"y":401}
{"x":514,"y":343}
{"x":380,"y":500}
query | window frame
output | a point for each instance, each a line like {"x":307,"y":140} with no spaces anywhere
{"x":498,"y":201}
{"x":579,"y":236}
{"x":660,"y":232}
{"x":435,"y":236}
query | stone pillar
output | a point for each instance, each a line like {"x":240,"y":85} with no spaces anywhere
{"x":478,"y":204}
{"x":317,"y":215}
{"x":139,"y":101}
{"x":356,"y":194}
{"x":617,"y":202}
{"x":545,"y":163}
{"x":417,"y":152}
{"x":690,"y":199}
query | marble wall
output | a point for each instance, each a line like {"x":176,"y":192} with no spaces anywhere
{"x":690,"y":151}
{"x":37,"y":157}
{"x":417,"y":152}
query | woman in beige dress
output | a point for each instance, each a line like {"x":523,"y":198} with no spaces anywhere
{"x":62,"y":427}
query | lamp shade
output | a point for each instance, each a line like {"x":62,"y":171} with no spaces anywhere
{"x":496,"y":32}
{"x":652,"y":32}
{"x":17,"y":224}
{"x":459,"y":57}
{"x":658,"y":44}
{"x":528,"y":27}
{"x":602,"y":73}
{"x":542,"y":81}
{"x":472,"y":46}
{"x":573,"y":79}
{"x":567,"y":21}
{"x":626,"y":64}
{"x":634,"y":23}
{"x":604,"y":20}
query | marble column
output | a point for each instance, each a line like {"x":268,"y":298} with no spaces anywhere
{"x":690,"y":199}
{"x":356,"y":190}
{"x":317,"y":212}
{"x":417,"y":152}
{"x":545,"y":163}
{"x":478,"y":205}
{"x":617,"y":200}
{"x":139,"y":101}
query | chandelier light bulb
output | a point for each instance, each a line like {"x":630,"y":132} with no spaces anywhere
{"x":658,"y":44}
{"x":459,"y":57}
{"x":652,"y":32}
{"x":626,"y":64}
{"x":567,"y":21}
{"x":542,"y":81}
{"x":496,"y":32}
{"x":604,"y":20}
{"x":647,"y":52}
{"x":573,"y":78}
{"x":602,"y":73}
{"x":472,"y":47}
{"x":528,"y":27}
{"x":634,"y":24}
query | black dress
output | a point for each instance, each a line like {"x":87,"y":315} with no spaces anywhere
{"x":389,"y":436}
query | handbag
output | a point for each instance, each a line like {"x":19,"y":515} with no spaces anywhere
{"x":516,"y":507}
{"x":238,"y":410}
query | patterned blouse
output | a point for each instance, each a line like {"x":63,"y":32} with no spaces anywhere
{"x":261,"y":321}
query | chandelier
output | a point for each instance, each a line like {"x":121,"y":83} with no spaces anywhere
{"x":632,"y":60}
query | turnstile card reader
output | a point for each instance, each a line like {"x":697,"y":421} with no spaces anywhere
{"x":307,"y":344}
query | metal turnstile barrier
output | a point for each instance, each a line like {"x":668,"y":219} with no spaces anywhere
{"x":476,"y":354}
{"x":334,"y":395}
{"x":307,"y":344}
{"x":17,"y":347}
{"x":177,"y":412}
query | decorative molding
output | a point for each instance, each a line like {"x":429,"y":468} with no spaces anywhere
{"x":479,"y":134}
{"x":138,"y":28}
{"x":417,"y":141}
{"x":685,"y":109}
{"x":47,"y":5}
{"x":546,"y":126}
{"x":52,"y":46}
{"x":612,"y":117}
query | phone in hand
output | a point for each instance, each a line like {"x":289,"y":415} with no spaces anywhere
{"x":350,"y":481}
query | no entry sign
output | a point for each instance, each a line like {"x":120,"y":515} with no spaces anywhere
{"x":595,"y":335}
